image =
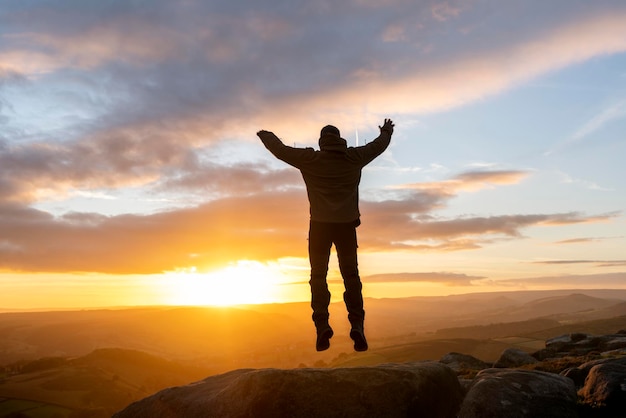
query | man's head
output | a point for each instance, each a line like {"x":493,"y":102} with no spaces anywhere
{"x":331,"y":140}
{"x":330,"y":130}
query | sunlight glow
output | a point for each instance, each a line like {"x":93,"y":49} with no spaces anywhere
{"x":244,"y":282}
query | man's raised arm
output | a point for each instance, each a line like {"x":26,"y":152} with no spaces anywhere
{"x":290,"y":155}
{"x":373,"y":149}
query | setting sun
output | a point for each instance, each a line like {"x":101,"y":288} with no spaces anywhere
{"x":244,"y":282}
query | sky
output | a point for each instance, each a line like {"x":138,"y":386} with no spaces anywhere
{"x":130,"y":172}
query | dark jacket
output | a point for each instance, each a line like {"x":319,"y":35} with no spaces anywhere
{"x":332,"y":175}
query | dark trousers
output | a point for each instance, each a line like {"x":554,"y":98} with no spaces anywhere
{"x":322,"y":236}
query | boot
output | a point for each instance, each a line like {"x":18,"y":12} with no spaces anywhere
{"x":324,"y":334}
{"x":358,"y":336}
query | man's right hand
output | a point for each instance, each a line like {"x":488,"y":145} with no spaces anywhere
{"x":387,"y":126}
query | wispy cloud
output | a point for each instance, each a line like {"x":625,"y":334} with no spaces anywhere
{"x":598,"y":263}
{"x":613,"y":112}
{"x":452,"y":279}
{"x":584,"y":240}
{"x":472,"y":181}
{"x":569,"y":281}
{"x":566,"y":178}
{"x":576,"y":240}
{"x":608,"y":115}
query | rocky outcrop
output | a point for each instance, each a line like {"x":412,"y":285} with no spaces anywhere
{"x":514,"y":357}
{"x":396,"y":390}
{"x":519,"y":394}
{"x":605,"y":387}
{"x":461,"y":363}
{"x":580,"y":344}
{"x":601,"y":386}
{"x":520,"y":388}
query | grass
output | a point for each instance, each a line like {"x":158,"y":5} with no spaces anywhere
{"x":32,"y":409}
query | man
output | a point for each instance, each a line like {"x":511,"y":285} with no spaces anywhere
{"x":332,"y":176}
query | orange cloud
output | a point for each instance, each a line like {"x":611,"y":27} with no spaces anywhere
{"x":131,"y":41}
{"x":584,"y":240}
{"x":598,"y":263}
{"x":472,"y":181}
{"x":569,"y":281}
{"x":264,"y":226}
{"x":453,"y":279}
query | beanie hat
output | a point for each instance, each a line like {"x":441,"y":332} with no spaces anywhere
{"x":330,"y":130}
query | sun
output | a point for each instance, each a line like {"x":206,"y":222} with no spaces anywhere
{"x":243,"y":282}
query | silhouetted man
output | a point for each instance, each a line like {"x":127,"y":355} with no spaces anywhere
{"x":332,"y":176}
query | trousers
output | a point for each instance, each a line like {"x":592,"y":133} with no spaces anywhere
{"x":322,"y":236}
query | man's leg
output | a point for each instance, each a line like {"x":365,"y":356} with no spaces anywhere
{"x":320,"y":243}
{"x":346,"y":244}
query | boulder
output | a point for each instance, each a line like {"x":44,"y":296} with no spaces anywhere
{"x":605,"y":387}
{"x":514,"y":357}
{"x":462,"y":362}
{"x":579,"y":374}
{"x":510,"y":393}
{"x":615,"y":342}
{"x":566,"y":339}
{"x":395,"y":390}
{"x":580,"y":341}
{"x":581,"y":344}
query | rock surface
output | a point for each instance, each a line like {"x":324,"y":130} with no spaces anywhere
{"x":514,"y":357}
{"x":519,"y":394}
{"x":605,"y":386}
{"x":579,"y":343}
{"x":396,"y":390}
{"x":462,"y":362}
{"x":583,"y":389}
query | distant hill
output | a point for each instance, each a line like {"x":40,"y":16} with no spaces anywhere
{"x":498,"y":330}
{"x":218,"y":336}
{"x":573,"y":303}
{"x":282,"y":335}
{"x":95,"y":385}
{"x":595,"y":327}
{"x":611,"y":311}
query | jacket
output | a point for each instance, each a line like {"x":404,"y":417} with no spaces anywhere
{"x":332,"y":174}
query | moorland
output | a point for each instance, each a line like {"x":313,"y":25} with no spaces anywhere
{"x":93,"y":362}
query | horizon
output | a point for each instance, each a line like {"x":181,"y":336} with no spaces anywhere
{"x":529,"y":295}
{"x":131,"y":174}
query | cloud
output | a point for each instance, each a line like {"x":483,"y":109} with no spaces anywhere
{"x":451,"y":279}
{"x":98,"y":97}
{"x":205,"y":236}
{"x":396,"y":232}
{"x":268,"y":225}
{"x":597,"y":263}
{"x":612,"y":113}
{"x":576,"y":240}
{"x":32,"y":171}
{"x":40,"y":171}
{"x":584,"y":240}
{"x":566,"y":178}
{"x":444,"y":11}
{"x":472,"y":181}
{"x":202,"y":177}
{"x":187,"y":60}
{"x":188,"y":72}
{"x":606,"y":280}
